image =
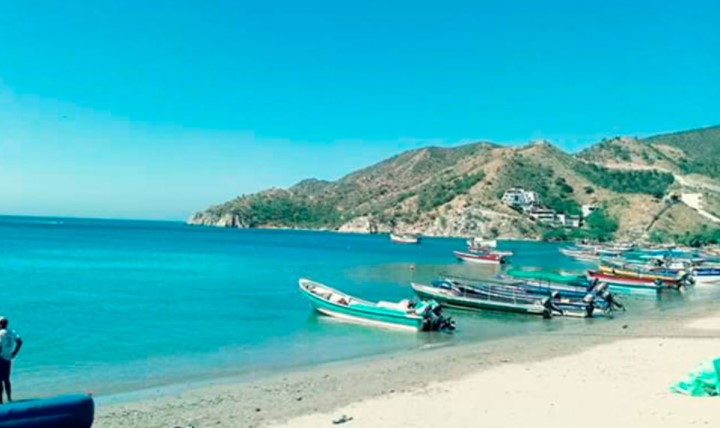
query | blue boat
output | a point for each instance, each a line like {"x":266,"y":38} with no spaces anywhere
{"x":563,"y":299}
{"x":66,"y":411}
{"x":706,"y":275}
{"x":405,"y":315}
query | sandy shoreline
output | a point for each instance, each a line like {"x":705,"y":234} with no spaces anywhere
{"x":563,"y":371}
{"x":608,"y":384}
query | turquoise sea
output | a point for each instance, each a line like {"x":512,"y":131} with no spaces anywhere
{"x":115,"y":306}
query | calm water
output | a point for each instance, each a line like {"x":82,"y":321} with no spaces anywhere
{"x":115,"y":306}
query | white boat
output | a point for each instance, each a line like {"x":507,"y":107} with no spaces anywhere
{"x":404,"y":238}
{"x":581,"y":255}
{"x":482,"y":243}
{"x":405,"y":314}
{"x":706,"y":275}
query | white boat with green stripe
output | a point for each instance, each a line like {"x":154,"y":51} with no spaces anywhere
{"x":404,"y":315}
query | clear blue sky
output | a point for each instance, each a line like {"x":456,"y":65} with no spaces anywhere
{"x":155,"y":109}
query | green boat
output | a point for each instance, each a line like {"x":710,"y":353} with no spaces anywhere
{"x":404,"y":315}
{"x":454,"y":297}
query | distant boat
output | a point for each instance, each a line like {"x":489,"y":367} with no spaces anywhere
{"x":587,"y":253}
{"x":570,"y":279}
{"x":405,"y":315}
{"x":405,"y":238}
{"x":706,"y":275}
{"x":482,"y":243}
{"x":666,"y":276}
{"x":487,"y":257}
{"x":648,"y":284}
{"x":571,"y":284}
{"x":478,"y":250}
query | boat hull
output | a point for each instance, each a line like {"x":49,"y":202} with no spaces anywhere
{"x":77,"y":411}
{"x":362,"y":314}
{"x":381,"y":323}
{"x":480,"y":258}
{"x":583,"y":256}
{"x":706,"y":275}
{"x":669,"y":280}
{"x":482,"y":243}
{"x":449,"y":299}
{"x":404,"y":239}
{"x":613,"y":280}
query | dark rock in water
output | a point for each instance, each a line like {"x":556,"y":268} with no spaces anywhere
{"x":342,"y":419}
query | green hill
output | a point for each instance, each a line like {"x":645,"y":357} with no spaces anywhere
{"x":700,"y":148}
{"x":457,"y":191}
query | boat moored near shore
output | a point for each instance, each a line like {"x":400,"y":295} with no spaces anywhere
{"x":459,"y":297}
{"x":706,"y":275}
{"x":404,"y":315}
{"x":643,"y":284}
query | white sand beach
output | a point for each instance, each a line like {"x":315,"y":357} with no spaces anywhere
{"x":622,"y":384}
{"x":619,"y":375}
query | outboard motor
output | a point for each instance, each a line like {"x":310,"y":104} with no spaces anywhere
{"x":448,"y":324}
{"x":589,"y":301}
{"x":686,"y":279}
{"x":550,"y":307}
{"x":611,"y":302}
{"x":434,"y":320}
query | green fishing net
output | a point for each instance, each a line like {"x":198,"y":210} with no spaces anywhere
{"x":701,"y":382}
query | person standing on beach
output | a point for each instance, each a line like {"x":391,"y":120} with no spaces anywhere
{"x":10,"y":344}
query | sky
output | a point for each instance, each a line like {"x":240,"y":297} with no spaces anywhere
{"x":156,"y":109}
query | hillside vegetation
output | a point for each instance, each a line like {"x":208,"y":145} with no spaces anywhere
{"x":457,"y":191}
{"x":700,"y":148}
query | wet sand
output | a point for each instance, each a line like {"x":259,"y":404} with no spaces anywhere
{"x":608,"y":372}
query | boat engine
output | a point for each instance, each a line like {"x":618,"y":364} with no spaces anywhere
{"x":589,"y":301}
{"x":434,"y":320}
{"x":686,"y":279}
{"x":611,"y":302}
{"x":550,"y":308}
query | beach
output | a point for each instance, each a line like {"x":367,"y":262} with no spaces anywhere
{"x":617,"y":372}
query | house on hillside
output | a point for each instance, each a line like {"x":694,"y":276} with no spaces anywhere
{"x":568,"y":220}
{"x":521,"y":198}
{"x":529,"y":203}
{"x":543,"y":215}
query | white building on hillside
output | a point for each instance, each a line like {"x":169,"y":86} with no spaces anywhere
{"x":520,"y":198}
{"x":544,"y":215}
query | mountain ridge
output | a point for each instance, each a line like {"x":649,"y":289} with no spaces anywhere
{"x":456,"y":191}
